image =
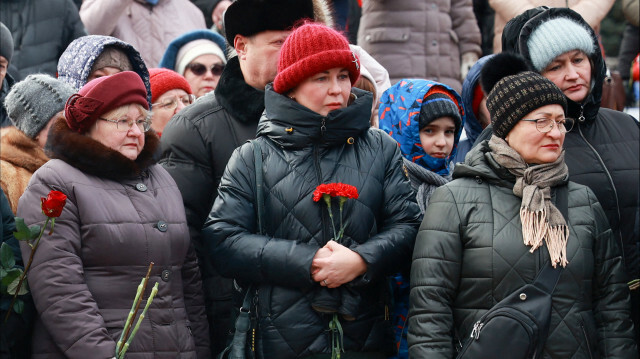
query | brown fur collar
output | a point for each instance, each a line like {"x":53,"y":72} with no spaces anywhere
{"x":20,"y":150}
{"x":92,"y":157}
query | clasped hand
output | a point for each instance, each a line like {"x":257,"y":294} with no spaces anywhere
{"x":334,"y":265}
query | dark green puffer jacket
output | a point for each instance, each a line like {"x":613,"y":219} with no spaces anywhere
{"x":469,"y":255}
{"x":381,"y":223}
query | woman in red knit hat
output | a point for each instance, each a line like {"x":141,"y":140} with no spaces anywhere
{"x":122,"y":212}
{"x":321,"y":288}
{"x":170,"y":93}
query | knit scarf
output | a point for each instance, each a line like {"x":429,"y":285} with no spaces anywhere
{"x":425,"y":182}
{"x":541,"y":220}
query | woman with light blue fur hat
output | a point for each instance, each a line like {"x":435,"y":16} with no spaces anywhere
{"x":199,"y":56}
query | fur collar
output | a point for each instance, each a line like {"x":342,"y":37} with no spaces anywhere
{"x":243,"y":102}
{"x":94,"y":158}
{"x":20,"y":150}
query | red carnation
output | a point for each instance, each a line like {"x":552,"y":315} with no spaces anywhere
{"x":53,"y":204}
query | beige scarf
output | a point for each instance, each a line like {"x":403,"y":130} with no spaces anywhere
{"x":541,"y":220}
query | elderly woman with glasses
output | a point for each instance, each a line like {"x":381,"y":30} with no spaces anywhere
{"x":502,"y":219}
{"x":170,"y":93}
{"x":122,"y":213}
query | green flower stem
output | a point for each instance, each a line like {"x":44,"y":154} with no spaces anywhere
{"x":154,"y":291}
{"x":337,"y":345}
{"x":130,"y":316}
{"x":327,"y":200}
{"x":341,"y":201}
{"x":137,"y":302}
{"x":24,"y":273}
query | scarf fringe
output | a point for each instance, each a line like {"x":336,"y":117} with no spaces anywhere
{"x":536,"y":229}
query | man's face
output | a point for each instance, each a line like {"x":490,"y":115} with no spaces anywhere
{"x":258,"y":56}
{"x":4,"y":66}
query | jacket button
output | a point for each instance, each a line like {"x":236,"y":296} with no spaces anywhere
{"x":367,"y":37}
{"x":434,"y":43}
{"x":162,"y":226}
{"x":165,"y":275}
{"x":478,"y":179}
{"x":141,"y":187}
{"x":350,"y":140}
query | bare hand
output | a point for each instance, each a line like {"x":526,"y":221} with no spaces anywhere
{"x":342,"y":266}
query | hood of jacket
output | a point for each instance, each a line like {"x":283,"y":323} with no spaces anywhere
{"x":479,"y":164}
{"x":399,"y":114}
{"x":20,"y":150}
{"x":74,"y":66}
{"x":518,"y":31}
{"x":94,"y":158}
{"x":472,"y":126}
{"x":243,"y":102}
{"x":292,"y":125}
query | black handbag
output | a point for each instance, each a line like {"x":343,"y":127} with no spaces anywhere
{"x":245,"y":321}
{"x":517,"y":326}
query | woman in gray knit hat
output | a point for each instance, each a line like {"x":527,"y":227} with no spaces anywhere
{"x":31,"y":104}
{"x":509,"y":213}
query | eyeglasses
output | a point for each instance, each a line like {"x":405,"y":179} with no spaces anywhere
{"x":545,"y":125}
{"x":199,"y":69}
{"x":172,"y":103}
{"x":124,"y":124}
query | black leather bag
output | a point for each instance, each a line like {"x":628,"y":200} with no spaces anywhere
{"x":241,"y":346}
{"x":517,"y":327}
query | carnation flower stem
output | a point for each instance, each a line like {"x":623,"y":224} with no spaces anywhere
{"x":26,"y":268}
{"x":154,"y":291}
{"x":130,"y":316}
{"x":136,"y":305}
{"x":327,"y":200}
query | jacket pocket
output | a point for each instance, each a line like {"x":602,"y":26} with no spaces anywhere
{"x":587,"y":326}
{"x":399,"y":34}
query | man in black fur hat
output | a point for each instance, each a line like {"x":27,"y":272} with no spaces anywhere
{"x":198,"y":142}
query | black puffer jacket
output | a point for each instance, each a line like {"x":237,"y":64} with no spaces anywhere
{"x":41,"y":32}
{"x":381,"y":227}
{"x":196,"y":146}
{"x":603,"y":149}
{"x":469,"y":255}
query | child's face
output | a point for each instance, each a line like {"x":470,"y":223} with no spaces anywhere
{"x":438,"y":136}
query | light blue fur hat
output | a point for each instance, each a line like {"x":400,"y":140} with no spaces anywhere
{"x":555,"y":37}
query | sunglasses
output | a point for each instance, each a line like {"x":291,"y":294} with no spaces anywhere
{"x":199,"y":69}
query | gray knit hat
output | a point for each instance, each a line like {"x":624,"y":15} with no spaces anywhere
{"x":32,"y":102}
{"x":555,"y":37}
{"x":6,"y":43}
{"x":439,"y":104}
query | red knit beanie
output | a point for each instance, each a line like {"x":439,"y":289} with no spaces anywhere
{"x":163,"y":80}
{"x":102,"y":95}
{"x":310,"y":49}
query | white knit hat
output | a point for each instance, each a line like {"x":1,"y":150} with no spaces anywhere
{"x":555,"y":37}
{"x":195,"y":48}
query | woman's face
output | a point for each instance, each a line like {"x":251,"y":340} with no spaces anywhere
{"x":205,"y":81}
{"x":325,"y":91}
{"x":129,"y":141}
{"x":571,"y":72}
{"x":438,"y":136}
{"x":167,"y":105}
{"x":534,"y":146}
{"x":105,"y":71}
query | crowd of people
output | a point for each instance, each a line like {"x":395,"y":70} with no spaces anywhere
{"x":295,"y":195}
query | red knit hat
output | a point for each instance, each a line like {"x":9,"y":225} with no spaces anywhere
{"x":163,"y":80}
{"x":102,"y":95}
{"x":310,"y":49}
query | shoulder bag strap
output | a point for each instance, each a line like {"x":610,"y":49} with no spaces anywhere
{"x":548,"y":276}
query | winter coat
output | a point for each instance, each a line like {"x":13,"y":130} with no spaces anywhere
{"x":469,"y":255}
{"x":472,"y":127}
{"x":120,"y":215}
{"x":19,"y":158}
{"x":302,"y":149}
{"x":593,"y":11}
{"x":603,"y":148}
{"x":41,"y":32}
{"x":196,"y":146}
{"x":420,"y":39}
{"x":76,"y":62}
{"x":7,"y":83}
{"x":149,"y":28}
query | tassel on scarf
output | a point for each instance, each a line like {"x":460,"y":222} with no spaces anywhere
{"x":536,"y":228}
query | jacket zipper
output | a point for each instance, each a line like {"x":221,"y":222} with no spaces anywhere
{"x":606,"y":171}
{"x":586,"y":338}
{"x":316,"y":160}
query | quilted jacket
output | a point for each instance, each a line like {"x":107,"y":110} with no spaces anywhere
{"x":120,"y":215}
{"x":302,"y":149}
{"x":469,"y":255}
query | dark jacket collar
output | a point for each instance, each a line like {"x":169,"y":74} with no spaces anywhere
{"x":292,"y":125}
{"x":94,"y":158}
{"x":243,"y":102}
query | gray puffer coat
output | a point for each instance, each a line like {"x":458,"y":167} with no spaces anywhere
{"x":120,"y":215}
{"x":301,"y":150}
{"x":469,"y":255}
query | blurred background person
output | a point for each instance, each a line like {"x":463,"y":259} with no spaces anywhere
{"x":41,"y":30}
{"x":148,"y":25}
{"x":629,"y":46}
{"x":199,"y":57}
{"x":435,"y":40}
{"x":6,"y":80}
{"x":170,"y":93}
{"x":373,"y":78}
{"x":33,"y":105}
{"x":122,"y":212}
